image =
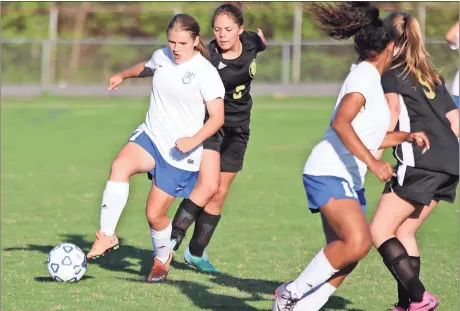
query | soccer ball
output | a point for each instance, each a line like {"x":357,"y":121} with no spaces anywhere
{"x":66,"y":263}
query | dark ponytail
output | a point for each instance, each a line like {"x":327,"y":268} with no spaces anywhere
{"x":359,"y":19}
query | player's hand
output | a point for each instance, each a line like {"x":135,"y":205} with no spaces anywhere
{"x":420,"y":139}
{"x":115,"y":81}
{"x":186,"y":144}
{"x":382,"y":169}
{"x":261,"y":35}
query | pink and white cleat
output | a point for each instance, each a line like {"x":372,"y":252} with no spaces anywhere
{"x":428,"y":303}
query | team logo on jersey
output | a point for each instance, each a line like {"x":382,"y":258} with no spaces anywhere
{"x":188,"y":77}
{"x":429,"y":93}
{"x":221,"y":66}
{"x":253,"y":68}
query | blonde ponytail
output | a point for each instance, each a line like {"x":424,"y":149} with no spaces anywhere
{"x":412,"y":51}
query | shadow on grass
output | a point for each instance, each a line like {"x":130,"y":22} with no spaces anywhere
{"x":201,"y":295}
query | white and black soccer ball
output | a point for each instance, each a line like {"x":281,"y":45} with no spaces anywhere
{"x":66,"y":263}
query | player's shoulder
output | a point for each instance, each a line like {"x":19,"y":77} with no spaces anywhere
{"x":363,"y":73}
{"x":250,"y":39}
{"x":162,"y":54}
{"x":204,"y":64}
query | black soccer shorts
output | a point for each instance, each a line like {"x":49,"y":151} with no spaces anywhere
{"x":421,"y":186}
{"x":231,"y":143}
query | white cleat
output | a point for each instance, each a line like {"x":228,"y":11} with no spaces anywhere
{"x":284,"y":300}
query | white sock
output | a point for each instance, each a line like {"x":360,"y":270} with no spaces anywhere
{"x":318,"y":271}
{"x":114,"y":201}
{"x":316,"y":298}
{"x":161,"y":241}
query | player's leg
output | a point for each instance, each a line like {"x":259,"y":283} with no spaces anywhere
{"x":157,"y":207}
{"x":205,"y":226}
{"x":134,"y":158}
{"x":343,"y":213}
{"x":406,"y":235}
{"x":169,"y":182}
{"x":189,"y":209}
{"x":409,"y":191}
{"x":206,"y":187}
{"x":232,"y":152}
{"x":392,"y":211}
{"x":318,"y":297}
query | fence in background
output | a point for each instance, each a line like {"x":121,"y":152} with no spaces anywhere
{"x":82,"y":67}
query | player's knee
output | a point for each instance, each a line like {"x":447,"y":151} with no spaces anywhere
{"x":404,"y":233}
{"x":376,"y":232}
{"x":221,"y":194}
{"x":121,"y":169}
{"x":208,"y":190}
{"x":358,"y":246}
{"x":154,"y":217}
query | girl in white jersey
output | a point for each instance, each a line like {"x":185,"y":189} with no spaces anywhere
{"x":452,"y":36}
{"x":168,"y":145}
{"x":334,"y":172}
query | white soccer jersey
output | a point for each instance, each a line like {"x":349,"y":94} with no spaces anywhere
{"x":330,"y":157}
{"x":455,"y":85}
{"x":177,"y":104}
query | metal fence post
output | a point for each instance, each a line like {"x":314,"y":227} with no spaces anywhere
{"x":297,"y":41}
{"x":285,"y":62}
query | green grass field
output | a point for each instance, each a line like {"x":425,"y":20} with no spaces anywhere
{"x":56,"y":155}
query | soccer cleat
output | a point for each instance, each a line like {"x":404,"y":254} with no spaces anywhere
{"x":102,"y":245}
{"x":202,"y":263}
{"x":397,"y":308}
{"x":284,"y":301}
{"x":428,"y":303}
{"x":159,"y":270}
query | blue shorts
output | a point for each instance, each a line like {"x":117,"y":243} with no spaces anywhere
{"x":320,"y":189}
{"x":456,"y":100}
{"x":170,"y":179}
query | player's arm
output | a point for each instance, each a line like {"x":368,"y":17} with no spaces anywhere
{"x":348,"y":109}
{"x":451,"y":34}
{"x":395,"y":110}
{"x":139,"y":70}
{"x":213,"y":124}
{"x":215,"y":109}
{"x":396,"y":138}
{"x":260,"y":33}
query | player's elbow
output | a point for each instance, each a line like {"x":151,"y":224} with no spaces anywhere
{"x":338,"y":124}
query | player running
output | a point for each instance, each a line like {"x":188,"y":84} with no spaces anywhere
{"x":233,"y":53}
{"x":420,"y":102}
{"x":168,"y":145}
{"x":334,"y":172}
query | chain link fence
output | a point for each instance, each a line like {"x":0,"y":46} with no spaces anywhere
{"x":82,"y":67}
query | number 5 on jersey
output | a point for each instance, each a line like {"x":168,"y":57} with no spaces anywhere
{"x":238,"y":91}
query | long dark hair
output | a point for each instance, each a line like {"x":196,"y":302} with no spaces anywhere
{"x":187,"y":23}
{"x":358,"y":19}
{"x":232,"y":9}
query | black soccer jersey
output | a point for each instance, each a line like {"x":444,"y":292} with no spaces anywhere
{"x":424,"y":110}
{"x":237,"y":75}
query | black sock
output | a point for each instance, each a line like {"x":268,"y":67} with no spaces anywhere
{"x":186,"y":214}
{"x":400,"y":264}
{"x":204,"y":229}
{"x":403,"y":295}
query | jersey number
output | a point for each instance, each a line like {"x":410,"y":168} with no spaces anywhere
{"x":348,"y":192}
{"x":238,"y":90}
